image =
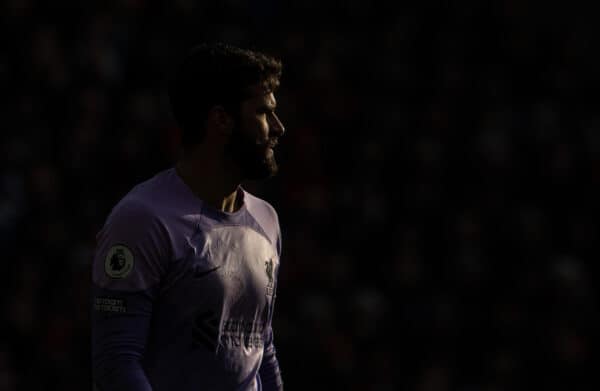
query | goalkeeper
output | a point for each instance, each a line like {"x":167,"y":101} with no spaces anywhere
{"x":185,"y":270}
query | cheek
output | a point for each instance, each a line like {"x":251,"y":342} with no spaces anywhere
{"x":255,"y":129}
{"x":260,"y":131}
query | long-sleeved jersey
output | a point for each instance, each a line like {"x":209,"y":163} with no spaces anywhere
{"x":183,"y":294}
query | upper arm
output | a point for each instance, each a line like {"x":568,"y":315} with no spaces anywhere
{"x":130,"y":260}
{"x":132,"y":250}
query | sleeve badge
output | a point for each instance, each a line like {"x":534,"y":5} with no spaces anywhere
{"x":119,"y":262}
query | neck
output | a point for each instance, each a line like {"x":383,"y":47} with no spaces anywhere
{"x":210,"y":178}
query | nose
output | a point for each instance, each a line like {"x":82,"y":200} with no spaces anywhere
{"x":277,"y":127}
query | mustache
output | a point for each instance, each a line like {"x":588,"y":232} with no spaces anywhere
{"x":270,"y":143}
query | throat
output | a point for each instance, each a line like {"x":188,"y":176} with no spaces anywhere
{"x":233,"y":202}
{"x":212,"y":189}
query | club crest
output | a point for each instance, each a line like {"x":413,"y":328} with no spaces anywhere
{"x":269,"y":271}
{"x":119,"y":262}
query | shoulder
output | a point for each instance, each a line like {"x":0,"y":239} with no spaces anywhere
{"x":261,"y":209}
{"x":141,"y":215}
{"x":266,"y":216}
{"x":144,"y":202}
{"x":133,"y":210}
{"x":131,"y":217}
{"x":133,"y":247}
{"x":134,"y":223}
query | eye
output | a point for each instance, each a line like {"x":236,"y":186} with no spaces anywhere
{"x":264,"y":112}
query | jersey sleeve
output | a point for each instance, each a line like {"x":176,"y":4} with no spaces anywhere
{"x":130,"y":260}
{"x":269,"y":372}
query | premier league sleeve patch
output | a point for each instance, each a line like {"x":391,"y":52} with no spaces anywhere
{"x":119,"y":262}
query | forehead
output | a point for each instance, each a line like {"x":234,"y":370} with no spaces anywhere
{"x":261,"y":96}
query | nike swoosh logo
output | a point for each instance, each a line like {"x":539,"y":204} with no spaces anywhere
{"x":198,"y":273}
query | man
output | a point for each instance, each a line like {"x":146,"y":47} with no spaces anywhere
{"x":185,"y":271}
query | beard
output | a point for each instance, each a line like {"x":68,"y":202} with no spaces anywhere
{"x":254,"y":160}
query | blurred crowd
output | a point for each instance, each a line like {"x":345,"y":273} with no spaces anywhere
{"x":438,"y":189}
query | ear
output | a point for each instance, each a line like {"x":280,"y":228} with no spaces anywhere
{"x":220,"y":121}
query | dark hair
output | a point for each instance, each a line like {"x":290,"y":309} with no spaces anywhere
{"x":216,"y":74}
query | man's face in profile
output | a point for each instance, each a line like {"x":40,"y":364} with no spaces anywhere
{"x":255,"y":135}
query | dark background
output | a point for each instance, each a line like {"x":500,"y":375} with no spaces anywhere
{"x":438,"y":192}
